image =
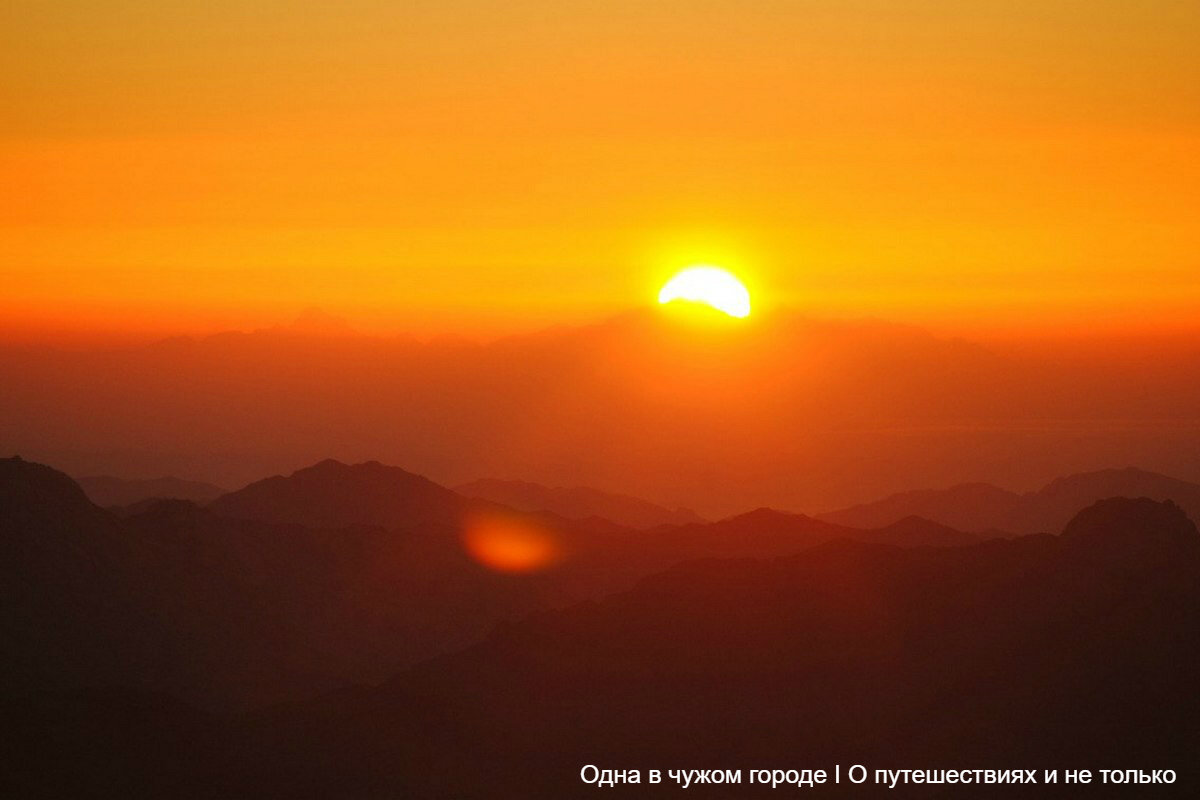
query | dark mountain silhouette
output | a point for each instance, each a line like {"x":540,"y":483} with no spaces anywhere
{"x":37,"y":502}
{"x":224,"y":612}
{"x":577,"y":502}
{"x":981,"y":507}
{"x":107,"y":491}
{"x":237,"y":611}
{"x":1042,"y":652}
{"x":331,"y":493}
{"x":1049,"y":508}
{"x":69,"y":609}
{"x":1163,"y":531}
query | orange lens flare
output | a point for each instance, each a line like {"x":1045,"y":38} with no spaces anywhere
{"x":510,"y":544}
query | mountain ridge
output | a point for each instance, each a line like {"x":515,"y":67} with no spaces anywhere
{"x":740,"y":642}
{"x":1004,"y":653}
{"x":331,"y":493}
{"x":577,"y":502}
{"x":305,"y":582}
{"x":980,"y":507}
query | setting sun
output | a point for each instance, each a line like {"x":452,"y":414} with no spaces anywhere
{"x":711,"y":286}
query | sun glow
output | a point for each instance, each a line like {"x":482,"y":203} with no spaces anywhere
{"x":711,"y":286}
{"x":510,"y":543}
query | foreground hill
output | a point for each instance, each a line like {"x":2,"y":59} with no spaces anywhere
{"x":577,"y":502}
{"x":336,"y":575}
{"x":227,"y":612}
{"x":1071,"y":652}
{"x":1045,"y":652}
{"x":982,"y":507}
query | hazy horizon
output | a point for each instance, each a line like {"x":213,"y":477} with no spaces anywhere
{"x":805,"y":414}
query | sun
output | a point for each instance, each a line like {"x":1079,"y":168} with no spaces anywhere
{"x":711,"y":286}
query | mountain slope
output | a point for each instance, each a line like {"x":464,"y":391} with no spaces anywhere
{"x":69,"y":609}
{"x":106,"y":490}
{"x":35,"y":498}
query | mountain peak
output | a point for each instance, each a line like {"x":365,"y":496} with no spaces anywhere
{"x":766,"y":514}
{"x":334,"y":494}
{"x":1133,"y":534}
{"x":981,"y":508}
{"x":328,"y":465}
{"x":1123,"y":477}
{"x":1121,"y":515}
{"x":46,"y":509}
{"x":27,"y":484}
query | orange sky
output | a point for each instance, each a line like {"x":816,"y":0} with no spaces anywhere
{"x":460,"y":165}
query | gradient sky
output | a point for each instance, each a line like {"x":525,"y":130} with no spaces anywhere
{"x":462,"y":165}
